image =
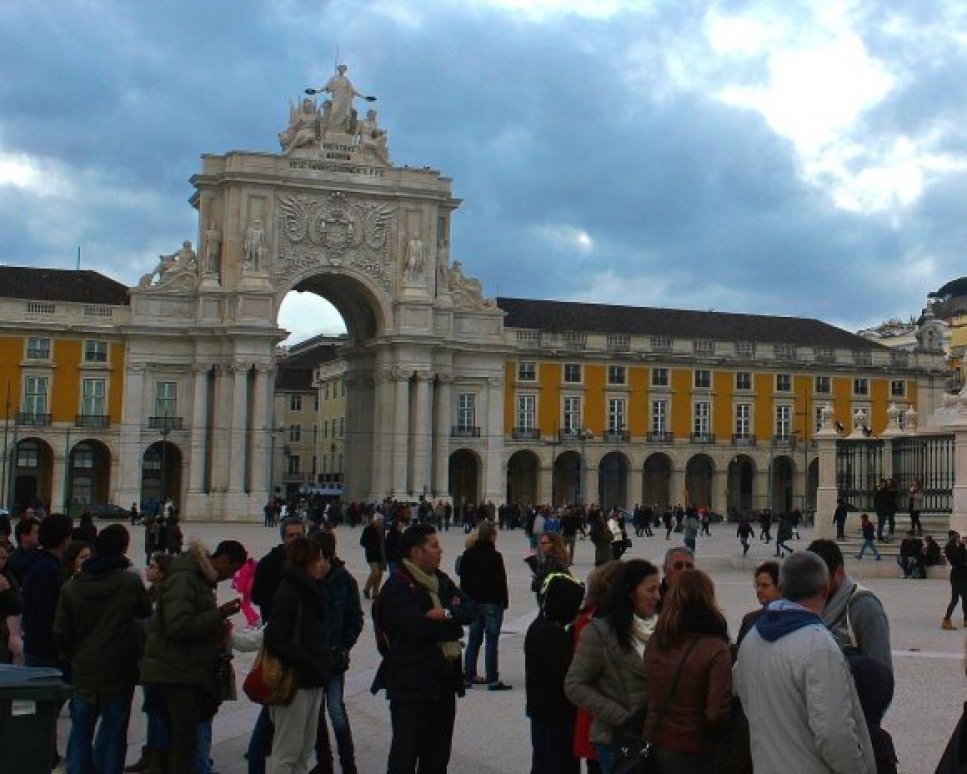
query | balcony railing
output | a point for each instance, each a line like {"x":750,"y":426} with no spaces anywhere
{"x":613,"y":436}
{"x":743,"y":439}
{"x":660,"y":436}
{"x":33,"y":418}
{"x":166,"y":424}
{"x":526,"y":434}
{"x":92,"y":421}
{"x":703,"y":437}
{"x":460,"y":431}
{"x":784,"y":441}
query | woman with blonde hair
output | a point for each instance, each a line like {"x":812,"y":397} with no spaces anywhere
{"x":688,"y":666}
{"x":551,"y":556}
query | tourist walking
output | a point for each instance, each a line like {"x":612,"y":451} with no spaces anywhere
{"x":373,"y":541}
{"x":744,"y":532}
{"x":869,"y":532}
{"x":915,"y":505}
{"x":956,"y":553}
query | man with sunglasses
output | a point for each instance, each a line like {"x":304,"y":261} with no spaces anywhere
{"x":678,"y":559}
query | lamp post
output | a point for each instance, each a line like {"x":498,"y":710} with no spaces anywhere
{"x":67,"y":472}
{"x":164,"y":430}
{"x":584,"y":435}
{"x":272,"y":433}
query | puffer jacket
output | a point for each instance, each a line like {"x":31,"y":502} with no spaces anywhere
{"x":606,"y":680}
{"x":95,"y":629}
{"x":298,"y":631}
{"x":344,"y":610}
{"x":184,"y":632}
{"x":791,"y":675}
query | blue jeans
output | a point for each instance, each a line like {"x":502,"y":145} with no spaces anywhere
{"x":868,"y":544}
{"x":260,"y":744}
{"x":334,"y":704}
{"x":488,"y":621}
{"x":605,"y":757}
{"x":106,"y":752}
{"x":204,"y":748}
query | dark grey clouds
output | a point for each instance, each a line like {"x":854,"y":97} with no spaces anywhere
{"x":550,"y":128}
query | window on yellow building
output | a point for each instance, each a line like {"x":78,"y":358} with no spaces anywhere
{"x":659,"y":377}
{"x":703,"y":378}
{"x":35,"y":395}
{"x":818,"y":418}
{"x":823,"y":385}
{"x":783,"y":422}
{"x":743,"y":380}
{"x":616,"y":415}
{"x":861,"y":386}
{"x":526,"y":412}
{"x":572,"y":373}
{"x":616,"y":374}
{"x":92,"y":398}
{"x":527,"y":371}
{"x":572,"y":414}
{"x":783,"y":382}
{"x":659,"y":416}
{"x":38,"y":348}
{"x":898,"y":388}
{"x":743,"y":420}
{"x":95,"y":351}
{"x":701,"y":418}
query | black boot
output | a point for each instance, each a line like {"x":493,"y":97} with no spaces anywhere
{"x":347,"y":752}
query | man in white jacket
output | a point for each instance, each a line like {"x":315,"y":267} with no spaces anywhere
{"x":795,"y":685}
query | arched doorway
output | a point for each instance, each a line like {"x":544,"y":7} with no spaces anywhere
{"x":32,"y":473}
{"x":656,"y":485}
{"x":567,"y":479}
{"x":698,"y":480}
{"x":523,"y":477}
{"x":783,"y":472}
{"x":88,"y":475}
{"x":613,"y":480}
{"x":464,"y":478}
{"x":161,"y":474}
{"x":741,"y":476}
{"x":812,"y":485}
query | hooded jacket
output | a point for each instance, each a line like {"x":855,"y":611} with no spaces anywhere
{"x":94,"y":626}
{"x":40,"y":590}
{"x":184,"y":632}
{"x":298,"y":632}
{"x":856,"y":618}
{"x":791,"y":675}
{"x":344,"y":610}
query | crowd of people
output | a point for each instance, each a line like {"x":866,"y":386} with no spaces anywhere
{"x":633,"y":659}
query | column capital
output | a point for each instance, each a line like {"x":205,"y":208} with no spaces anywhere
{"x":137,"y":368}
{"x":495,"y":381}
{"x":263,"y":368}
{"x":445,"y":377}
{"x":356,"y":380}
{"x":201,"y":368}
{"x":425,"y":376}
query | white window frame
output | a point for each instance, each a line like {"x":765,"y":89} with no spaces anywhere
{"x":295,"y":401}
{"x":702,"y":375}
{"x":93,"y":397}
{"x":35,"y":400}
{"x":571,"y":414}
{"x":903,"y":388}
{"x":617,"y":415}
{"x":702,"y":417}
{"x":617,"y":375}
{"x":783,"y":428}
{"x":295,"y":433}
{"x":746,"y":377}
{"x":861,"y":382}
{"x":166,"y":399}
{"x":564,"y":375}
{"x":38,"y":348}
{"x":659,"y":415}
{"x":743,"y":420}
{"x":466,"y":410}
{"x":526,"y":371}
{"x":659,"y":377}
{"x":95,"y":351}
{"x":818,"y":387}
{"x":526,"y":412}
{"x":784,"y":378}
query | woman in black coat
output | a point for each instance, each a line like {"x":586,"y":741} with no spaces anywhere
{"x":297,"y":635}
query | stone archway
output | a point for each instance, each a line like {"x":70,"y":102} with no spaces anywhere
{"x":161,"y":474}
{"x":741,"y":481}
{"x":523,"y":477}
{"x":465,"y":478}
{"x":613,"y":480}
{"x":782,"y":479}
{"x":88,"y":475}
{"x":698,"y":480}
{"x":567,"y":486}
{"x":330,"y":216}
{"x":656,"y":484}
{"x":32,"y":473}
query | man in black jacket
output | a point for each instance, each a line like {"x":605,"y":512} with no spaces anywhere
{"x":345,"y":616}
{"x":483,"y":578}
{"x":419,"y":618}
{"x":372,"y":540}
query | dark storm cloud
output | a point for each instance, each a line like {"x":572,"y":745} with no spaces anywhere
{"x":550,"y":129}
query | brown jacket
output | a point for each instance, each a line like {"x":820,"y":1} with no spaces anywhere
{"x":702,"y":700}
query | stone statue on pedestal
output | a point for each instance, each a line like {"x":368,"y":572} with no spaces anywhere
{"x":414,"y":263}
{"x":182,"y":263}
{"x":213,"y":251}
{"x":339,"y":115}
{"x":303,"y":128}
{"x":372,"y":139}
{"x":254,"y":247}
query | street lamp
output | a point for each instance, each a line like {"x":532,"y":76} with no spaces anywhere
{"x":583,"y":435}
{"x":273,"y":431}
{"x":164,"y":430}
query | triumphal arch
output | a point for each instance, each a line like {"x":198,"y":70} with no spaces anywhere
{"x":331,"y":214}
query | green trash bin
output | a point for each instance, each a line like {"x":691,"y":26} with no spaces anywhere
{"x":30,"y":699}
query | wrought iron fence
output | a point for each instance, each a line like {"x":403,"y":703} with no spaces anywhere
{"x":930,"y":459}
{"x":859,"y":468}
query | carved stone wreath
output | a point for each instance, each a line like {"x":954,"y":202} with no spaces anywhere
{"x":334,"y":231}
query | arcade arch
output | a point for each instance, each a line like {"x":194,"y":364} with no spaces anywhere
{"x":523,"y":477}
{"x":698,"y":480}
{"x":88,"y":474}
{"x":656,"y":484}
{"x":567,"y":485}
{"x":161,"y":473}
{"x":465,"y":478}
{"x":613,"y":480}
{"x":781,"y":482}
{"x":740,"y":484}
{"x":32,"y":473}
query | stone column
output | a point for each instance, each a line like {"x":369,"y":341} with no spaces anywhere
{"x":199,"y":429}
{"x":401,"y":433}
{"x":238,"y":433}
{"x":422,"y":435}
{"x":132,"y":420}
{"x":383,"y":387}
{"x":545,"y":484}
{"x":827,"y":491}
{"x":221,"y":430}
{"x":958,"y":515}
{"x":720,"y":485}
{"x":636,"y":477}
{"x":495,"y":488}
{"x":59,"y":498}
{"x":441,"y":436}
{"x":261,"y":425}
{"x":676,"y":484}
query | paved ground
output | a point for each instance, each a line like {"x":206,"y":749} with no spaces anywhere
{"x":492,"y":732}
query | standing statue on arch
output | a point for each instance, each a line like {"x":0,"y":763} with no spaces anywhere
{"x":338,"y":114}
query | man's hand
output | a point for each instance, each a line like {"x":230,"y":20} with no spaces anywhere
{"x":438,"y":614}
{"x":230,"y":608}
{"x":4,"y":584}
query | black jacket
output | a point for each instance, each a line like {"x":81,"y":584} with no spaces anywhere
{"x":483,"y":577}
{"x":343,"y":608}
{"x":267,"y":574}
{"x":372,"y":541}
{"x":393,"y":546}
{"x":415,"y":667}
{"x":40,"y":592}
{"x":298,"y":632}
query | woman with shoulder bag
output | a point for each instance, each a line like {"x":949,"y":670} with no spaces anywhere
{"x":688,"y":666}
{"x":297,"y":635}
{"x":607,"y":676}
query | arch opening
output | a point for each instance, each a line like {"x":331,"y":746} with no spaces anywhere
{"x":566,"y":485}
{"x":613,"y":481}
{"x":698,"y":481}
{"x":523,"y":478}
{"x":88,"y":476}
{"x":464,"y":477}
{"x":740,"y":484}
{"x":32,"y":474}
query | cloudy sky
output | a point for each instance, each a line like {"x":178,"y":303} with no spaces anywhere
{"x":803,"y":158}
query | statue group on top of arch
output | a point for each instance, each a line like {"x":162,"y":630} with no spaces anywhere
{"x":309,"y":124}
{"x":178,"y":270}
